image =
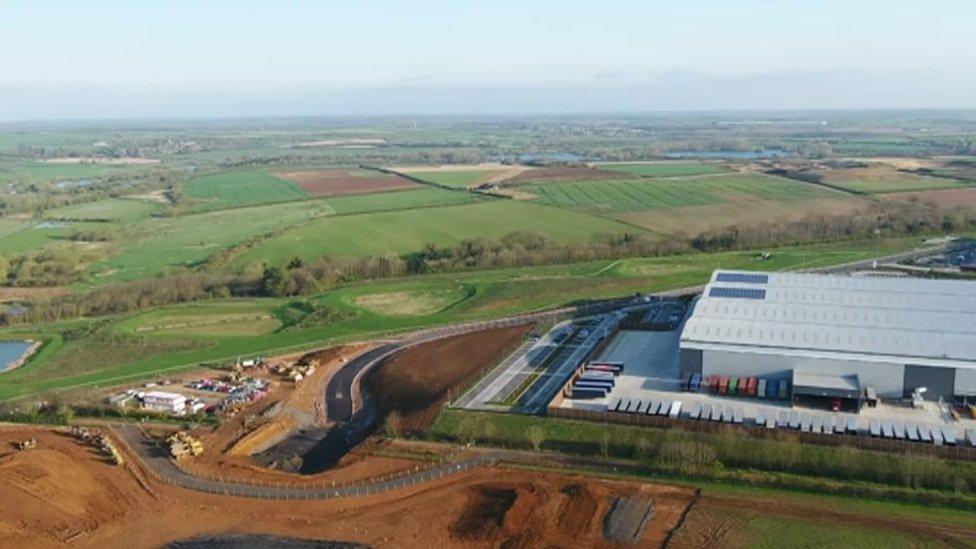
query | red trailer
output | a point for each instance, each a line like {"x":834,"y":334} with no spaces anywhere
{"x":743,"y":386}
{"x":713,"y":384}
{"x":753,"y":386}
{"x":723,"y":385}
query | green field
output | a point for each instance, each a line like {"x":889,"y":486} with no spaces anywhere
{"x":401,"y":200}
{"x":183,"y":336}
{"x":235,"y":189}
{"x":454,"y":178}
{"x":632,"y":195}
{"x":884,"y":179}
{"x":114,"y":209}
{"x":401,"y":232}
{"x":43,"y":172}
{"x":663,"y":169}
{"x":157,"y":245}
{"x":33,"y":235}
{"x":775,"y":532}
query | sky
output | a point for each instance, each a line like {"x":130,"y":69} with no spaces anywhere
{"x":134,"y":59}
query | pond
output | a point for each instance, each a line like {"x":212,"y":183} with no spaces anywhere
{"x":12,"y":351}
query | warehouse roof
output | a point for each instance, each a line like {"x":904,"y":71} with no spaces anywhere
{"x":908,"y":320}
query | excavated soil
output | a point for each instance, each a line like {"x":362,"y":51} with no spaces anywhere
{"x":64,"y":493}
{"x":418,"y":381}
{"x":341,"y":182}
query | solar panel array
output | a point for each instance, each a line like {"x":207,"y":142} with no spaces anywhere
{"x":737,"y":293}
{"x":745,"y":278}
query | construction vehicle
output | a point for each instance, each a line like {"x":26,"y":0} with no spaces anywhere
{"x":108,"y":447}
{"x":28,"y":444}
{"x":182,"y":445}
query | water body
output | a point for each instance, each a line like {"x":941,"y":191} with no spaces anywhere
{"x":730,"y":155}
{"x":11,"y":352}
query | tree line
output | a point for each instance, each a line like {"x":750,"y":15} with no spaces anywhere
{"x":517,"y":249}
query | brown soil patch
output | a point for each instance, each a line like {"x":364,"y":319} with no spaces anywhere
{"x":947,"y":198}
{"x":565,"y":173}
{"x":333,"y":182}
{"x":65,"y":491}
{"x":418,"y":381}
{"x":483,"y":517}
{"x":577,"y":509}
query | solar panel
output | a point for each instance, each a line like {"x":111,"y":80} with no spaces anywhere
{"x":746,"y":278}
{"x":737,"y":293}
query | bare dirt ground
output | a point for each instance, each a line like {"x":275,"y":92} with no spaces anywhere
{"x":417,"y":382}
{"x":64,"y":493}
{"x":947,"y":198}
{"x":229,"y":448}
{"x":333,"y":182}
{"x":565,"y":173}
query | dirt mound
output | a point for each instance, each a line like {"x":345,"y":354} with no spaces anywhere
{"x":565,"y":173}
{"x":576,"y":510}
{"x":418,"y":381}
{"x":48,"y":499}
{"x":345,"y":182}
{"x":483,"y":518}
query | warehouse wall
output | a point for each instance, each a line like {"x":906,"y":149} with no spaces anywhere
{"x":887,"y":379}
{"x":965,"y":382}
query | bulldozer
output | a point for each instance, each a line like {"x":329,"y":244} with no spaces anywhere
{"x":28,"y":444}
{"x":182,"y":445}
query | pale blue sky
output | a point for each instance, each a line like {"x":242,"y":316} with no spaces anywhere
{"x":217,"y":58}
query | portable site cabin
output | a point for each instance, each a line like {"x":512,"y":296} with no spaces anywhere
{"x":948,"y":435}
{"x":761,"y":417}
{"x":739,"y":415}
{"x":794,"y":420}
{"x":783,"y":421}
{"x":706,"y":413}
{"x":899,"y":429}
{"x":696,"y":410}
{"x":874,"y":426}
{"x":665,"y":408}
{"x":853,"y":426}
{"x":817,"y":424}
{"x":911,"y":431}
{"x":675,"y":410}
{"x":716,"y":413}
{"x":924,"y":433}
{"x":937,"y":436}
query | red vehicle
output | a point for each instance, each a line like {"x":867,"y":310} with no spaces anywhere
{"x":753,"y":385}
{"x":713,"y":384}
{"x":835,"y":406}
{"x":723,"y":385}
{"x":744,"y":386}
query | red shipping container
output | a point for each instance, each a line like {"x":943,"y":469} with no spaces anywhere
{"x":723,"y":385}
{"x":753,"y":385}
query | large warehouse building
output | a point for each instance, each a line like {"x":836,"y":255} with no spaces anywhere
{"x":836,"y":336}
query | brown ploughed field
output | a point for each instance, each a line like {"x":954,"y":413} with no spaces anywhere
{"x":337,"y":182}
{"x":418,"y":381}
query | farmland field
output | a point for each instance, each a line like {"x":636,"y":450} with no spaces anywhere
{"x":114,"y":209}
{"x":338,"y":182}
{"x":458,"y":178}
{"x":41,"y":172}
{"x":406,"y":231}
{"x":34,"y":235}
{"x":695,"y":204}
{"x":401,"y":200}
{"x":883,"y":179}
{"x":158,"y":245}
{"x":664,"y":169}
{"x":235,"y":189}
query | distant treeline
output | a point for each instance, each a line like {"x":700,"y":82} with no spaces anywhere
{"x":518,"y":249}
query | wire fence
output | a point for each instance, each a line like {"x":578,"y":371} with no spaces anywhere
{"x":171,"y":471}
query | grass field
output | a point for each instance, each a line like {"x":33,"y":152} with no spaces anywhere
{"x":219,"y":331}
{"x":401,"y":200}
{"x":663,"y":169}
{"x":883,"y":179}
{"x":157,"y":245}
{"x":30,"y":236}
{"x":406,"y":231}
{"x":115,"y":209}
{"x":630,"y":195}
{"x":242,"y":188}
{"x":43,"y":172}
{"x":455,"y":178}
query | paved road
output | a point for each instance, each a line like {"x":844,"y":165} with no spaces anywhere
{"x":156,"y":460}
